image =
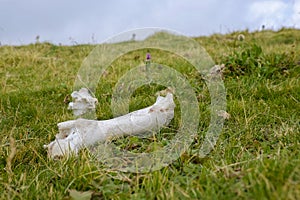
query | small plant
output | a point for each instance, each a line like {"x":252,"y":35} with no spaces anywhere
{"x":244,"y":61}
{"x":241,"y":37}
{"x":251,"y":60}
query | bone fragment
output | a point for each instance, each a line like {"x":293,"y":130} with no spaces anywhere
{"x":83,"y":102}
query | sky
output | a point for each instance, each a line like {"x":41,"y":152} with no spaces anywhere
{"x":93,"y":21}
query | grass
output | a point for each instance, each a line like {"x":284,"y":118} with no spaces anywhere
{"x":256,"y":157}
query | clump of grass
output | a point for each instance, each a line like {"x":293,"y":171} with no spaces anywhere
{"x":250,"y":59}
{"x":256,"y":157}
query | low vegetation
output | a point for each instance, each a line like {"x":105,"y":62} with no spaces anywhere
{"x":256,"y":156}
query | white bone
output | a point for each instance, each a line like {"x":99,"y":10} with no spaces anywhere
{"x":83,"y":102}
{"x":76,"y":134}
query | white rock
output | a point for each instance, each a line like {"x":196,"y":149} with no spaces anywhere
{"x":216,"y":70}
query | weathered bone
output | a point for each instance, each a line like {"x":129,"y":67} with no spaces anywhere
{"x":76,"y":134}
{"x":83,"y":102}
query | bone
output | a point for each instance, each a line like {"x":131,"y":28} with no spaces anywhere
{"x":76,"y":134}
{"x":83,"y":102}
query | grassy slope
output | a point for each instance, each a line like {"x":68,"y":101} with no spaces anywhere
{"x":257,"y":155}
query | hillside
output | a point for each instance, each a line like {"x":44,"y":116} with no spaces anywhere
{"x":256,"y":156}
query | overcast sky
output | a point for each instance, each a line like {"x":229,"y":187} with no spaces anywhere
{"x":89,"y":21}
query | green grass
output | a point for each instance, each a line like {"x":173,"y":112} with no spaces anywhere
{"x":256,"y":157}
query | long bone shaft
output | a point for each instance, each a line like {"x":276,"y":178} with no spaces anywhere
{"x":76,"y":134}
